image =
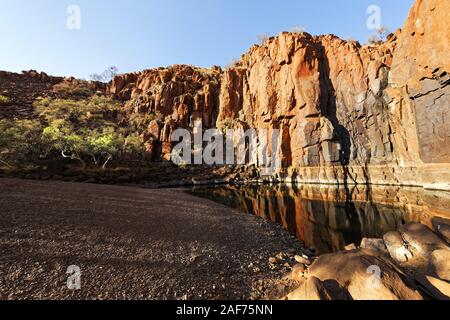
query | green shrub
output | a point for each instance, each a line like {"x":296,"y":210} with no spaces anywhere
{"x":4,"y":100}
{"x":93,"y":112}
{"x":141,"y":121}
{"x":88,"y":131}
{"x":20,"y":142}
{"x":74,"y":89}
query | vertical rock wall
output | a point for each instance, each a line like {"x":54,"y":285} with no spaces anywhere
{"x":346,"y":113}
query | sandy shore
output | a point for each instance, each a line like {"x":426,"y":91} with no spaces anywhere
{"x":132,"y":243}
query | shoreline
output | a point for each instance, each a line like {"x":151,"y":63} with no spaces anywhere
{"x":270,"y":264}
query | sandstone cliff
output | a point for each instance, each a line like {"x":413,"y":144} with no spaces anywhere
{"x":347,"y":113}
{"x":174,"y":97}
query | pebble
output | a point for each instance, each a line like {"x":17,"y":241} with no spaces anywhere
{"x":302,"y":260}
{"x":350,"y":247}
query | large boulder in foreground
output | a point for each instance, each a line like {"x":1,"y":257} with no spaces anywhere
{"x":420,"y":250}
{"x":422,"y":239}
{"x":364,"y":275}
{"x":436,"y":288}
{"x":440,"y":260}
{"x":397,"y":247}
{"x":314,"y":289}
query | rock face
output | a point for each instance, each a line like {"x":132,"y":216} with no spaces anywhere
{"x":324,"y":95}
{"x":173,"y":97}
{"x":346,"y":113}
{"x":420,"y":70}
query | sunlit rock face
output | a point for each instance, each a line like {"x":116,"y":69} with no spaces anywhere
{"x":173,"y":97}
{"x":420,"y":91}
{"x":346,"y":113}
{"x":324,"y":94}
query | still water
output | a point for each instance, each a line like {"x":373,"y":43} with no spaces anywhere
{"x":329,"y":218}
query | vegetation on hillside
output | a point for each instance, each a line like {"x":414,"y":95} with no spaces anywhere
{"x":89,"y":132}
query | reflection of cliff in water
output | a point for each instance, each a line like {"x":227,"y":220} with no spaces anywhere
{"x":325,"y":217}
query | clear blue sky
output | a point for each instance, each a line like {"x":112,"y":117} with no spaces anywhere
{"x":138,"y":34}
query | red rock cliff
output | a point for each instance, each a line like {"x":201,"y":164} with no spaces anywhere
{"x":347,"y":113}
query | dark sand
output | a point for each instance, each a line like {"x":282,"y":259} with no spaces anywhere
{"x":132,"y":243}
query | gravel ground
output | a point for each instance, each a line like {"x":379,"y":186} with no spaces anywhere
{"x":133,"y":243}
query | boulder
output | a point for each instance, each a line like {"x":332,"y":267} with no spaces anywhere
{"x":442,"y":227}
{"x":303,"y":260}
{"x":298,"y":272}
{"x":351,"y":247}
{"x":422,"y":239}
{"x":396,"y":247}
{"x":374,"y":244}
{"x":365,"y":275}
{"x":440,"y":260}
{"x":314,"y":289}
{"x":434,"y":287}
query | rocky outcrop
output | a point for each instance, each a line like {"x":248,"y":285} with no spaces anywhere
{"x":352,"y":114}
{"x":23,"y":89}
{"x":420,"y":92}
{"x":346,"y":113}
{"x":358,"y":274}
{"x":420,"y":250}
{"x":323,"y":93}
{"x":420,"y":71}
{"x":366,"y":274}
{"x":173,"y":97}
{"x":314,"y":289}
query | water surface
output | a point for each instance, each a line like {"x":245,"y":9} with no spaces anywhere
{"x":329,"y":218}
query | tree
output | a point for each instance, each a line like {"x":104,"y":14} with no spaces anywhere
{"x":105,"y":76}
{"x":262,"y":38}
{"x":105,"y":146}
{"x":20,"y":142}
{"x":60,"y":137}
{"x":88,"y":131}
{"x":381,"y":35}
